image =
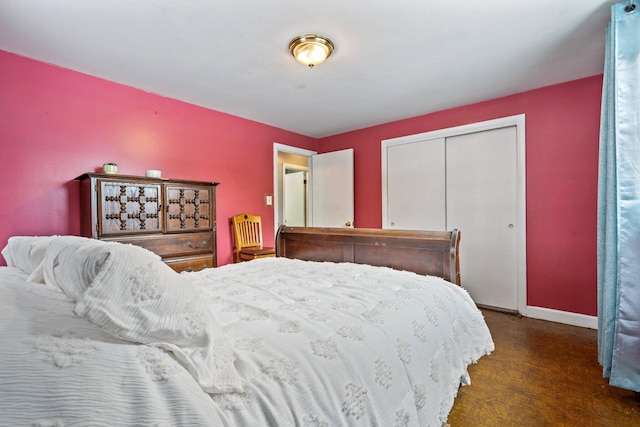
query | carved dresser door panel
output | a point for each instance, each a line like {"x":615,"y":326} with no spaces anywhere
{"x":129,"y":208}
{"x":189,"y":208}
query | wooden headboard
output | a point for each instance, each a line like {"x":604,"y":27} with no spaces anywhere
{"x":425,"y":252}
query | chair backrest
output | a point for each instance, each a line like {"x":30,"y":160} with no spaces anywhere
{"x":247,"y":230}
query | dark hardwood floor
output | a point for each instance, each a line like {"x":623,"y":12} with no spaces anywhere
{"x":541,"y":374}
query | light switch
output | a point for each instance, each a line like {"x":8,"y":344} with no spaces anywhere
{"x":268,"y":199}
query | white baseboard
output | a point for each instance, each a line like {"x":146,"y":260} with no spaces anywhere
{"x":565,"y":317}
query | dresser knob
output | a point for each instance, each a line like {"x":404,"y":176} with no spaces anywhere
{"x":200,"y":245}
{"x":190,"y":269}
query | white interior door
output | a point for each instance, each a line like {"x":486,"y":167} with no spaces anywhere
{"x":482,"y":203}
{"x":332,"y":189}
{"x":415,"y":182}
{"x":294,"y":198}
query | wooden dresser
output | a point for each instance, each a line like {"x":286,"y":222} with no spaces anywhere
{"x":176,"y":219}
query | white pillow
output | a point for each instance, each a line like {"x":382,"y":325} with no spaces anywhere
{"x":26,"y":252}
{"x":71,"y":263}
{"x":137,"y":297}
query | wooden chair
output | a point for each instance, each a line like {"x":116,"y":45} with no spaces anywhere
{"x":247,"y":231}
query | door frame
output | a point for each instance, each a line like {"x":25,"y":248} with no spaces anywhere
{"x":521,"y":209}
{"x":277,"y":173}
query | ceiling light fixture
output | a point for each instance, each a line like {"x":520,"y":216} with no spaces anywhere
{"x":311,"y":49}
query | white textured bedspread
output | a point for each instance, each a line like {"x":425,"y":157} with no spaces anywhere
{"x":316,"y":344}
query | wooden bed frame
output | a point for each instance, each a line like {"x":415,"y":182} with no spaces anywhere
{"x":432,"y":253}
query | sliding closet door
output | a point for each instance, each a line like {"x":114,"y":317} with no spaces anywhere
{"x":481,"y":202}
{"x":472,"y":178}
{"x":415,"y":186}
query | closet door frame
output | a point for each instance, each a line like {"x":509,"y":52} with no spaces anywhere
{"x":521,"y":244}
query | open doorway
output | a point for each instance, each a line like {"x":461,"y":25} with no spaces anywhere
{"x":329,"y":198}
{"x":289,"y":160}
{"x":295,"y":195}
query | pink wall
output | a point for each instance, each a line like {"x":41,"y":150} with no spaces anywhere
{"x":56,"y":124}
{"x":562,"y":130}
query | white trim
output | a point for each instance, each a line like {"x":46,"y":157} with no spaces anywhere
{"x":292,"y":166}
{"x":566,"y":317}
{"x":521,"y":208}
{"x":521,"y":211}
{"x":281,"y":148}
{"x":501,"y":122}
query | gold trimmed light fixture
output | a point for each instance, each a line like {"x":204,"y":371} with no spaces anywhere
{"x":311,"y":49}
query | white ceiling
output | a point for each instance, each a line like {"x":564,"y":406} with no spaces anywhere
{"x":394,"y":59}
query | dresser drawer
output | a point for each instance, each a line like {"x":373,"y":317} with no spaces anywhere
{"x":195,"y":263}
{"x":168,"y":245}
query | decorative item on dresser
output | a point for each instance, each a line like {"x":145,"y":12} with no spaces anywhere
{"x":175,"y":219}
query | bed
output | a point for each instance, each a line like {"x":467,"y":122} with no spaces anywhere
{"x":334,"y":331}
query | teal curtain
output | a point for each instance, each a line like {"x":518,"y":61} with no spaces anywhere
{"x":619,"y":202}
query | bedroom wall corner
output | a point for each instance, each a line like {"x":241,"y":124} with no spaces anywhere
{"x":56,"y":124}
{"x":562,"y":138}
